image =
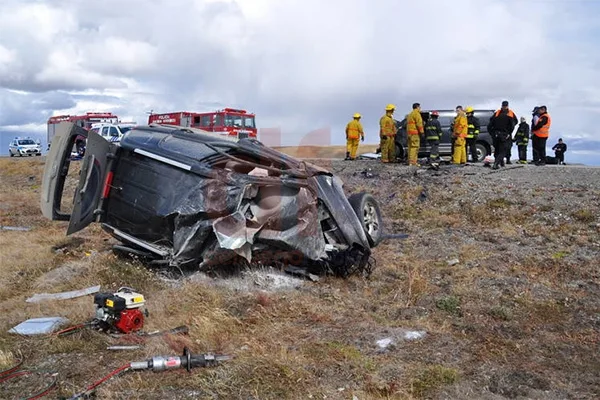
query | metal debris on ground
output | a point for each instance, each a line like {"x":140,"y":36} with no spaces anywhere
{"x":453,"y":262}
{"x":124,"y":347}
{"x":39,"y":326}
{"x":36,"y":298}
{"x":368,"y":173}
{"x":15,"y":228}
{"x":400,"y":335}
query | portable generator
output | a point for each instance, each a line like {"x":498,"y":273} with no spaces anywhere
{"x":121,"y":311}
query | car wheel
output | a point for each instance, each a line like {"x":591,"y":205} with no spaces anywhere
{"x":11,"y":153}
{"x":482,"y":151}
{"x":399,"y":152}
{"x":369,"y":214}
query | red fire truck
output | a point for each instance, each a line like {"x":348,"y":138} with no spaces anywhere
{"x":228,"y":121}
{"x":85,"y":121}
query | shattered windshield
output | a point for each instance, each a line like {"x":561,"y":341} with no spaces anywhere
{"x":25,"y":142}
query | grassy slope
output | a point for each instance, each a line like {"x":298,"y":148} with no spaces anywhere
{"x":510,"y":328}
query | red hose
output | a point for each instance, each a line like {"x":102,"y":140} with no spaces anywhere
{"x":94,"y":385}
{"x":35,"y":396}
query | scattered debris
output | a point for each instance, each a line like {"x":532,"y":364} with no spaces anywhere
{"x":423,"y":195}
{"x":39,"y":326}
{"x":124,"y":347}
{"x":297,"y":271}
{"x":15,"y":228}
{"x":453,"y":262}
{"x":414,"y":335}
{"x":36,"y":298}
{"x":368,"y":173}
{"x":399,"y":335}
{"x":384,"y":343}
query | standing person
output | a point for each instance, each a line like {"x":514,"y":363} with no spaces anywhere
{"x":473,"y":126}
{"x":534,"y":119}
{"x":387,"y":134}
{"x":354,"y":131}
{"x":560,"y":149}
{"x":500,"y":128}
{"x":522,"y":140}
{"x":540,"y":132}
{"x":459,"y":132}
{"x":414,"y":129}
{"x":433,"y":134}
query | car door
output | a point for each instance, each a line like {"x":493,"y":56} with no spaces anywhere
{"x":91,"y":183}
{"x":56,"y":169}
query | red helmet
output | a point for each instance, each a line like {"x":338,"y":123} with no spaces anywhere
{"x":435,"y":114}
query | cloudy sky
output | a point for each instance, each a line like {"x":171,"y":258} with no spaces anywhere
{"x":304,"y":66}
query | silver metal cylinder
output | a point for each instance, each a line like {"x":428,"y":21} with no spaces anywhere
{"x":139,"y":365}
{"x":163,"y":363}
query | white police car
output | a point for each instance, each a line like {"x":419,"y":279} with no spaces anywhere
{"x":24,"y":147}
{"x":112,"y":132}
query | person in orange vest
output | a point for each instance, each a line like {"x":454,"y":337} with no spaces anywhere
{"x":387,"y":134}
{"x":459,"y":133}
{"x":414,"y":129}
{"x":539,"y":135}
{"x":500,"y":128}
{"x":354,"y":131}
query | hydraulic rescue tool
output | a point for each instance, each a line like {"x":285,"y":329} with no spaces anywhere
{"x":187,"y":361}
{"x":157,"y":364}
{"x":120,"y":311}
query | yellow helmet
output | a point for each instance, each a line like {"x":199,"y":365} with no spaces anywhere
{"x":357,"y":115}
{"x":390,"y":107}
{"x":469,"y":110}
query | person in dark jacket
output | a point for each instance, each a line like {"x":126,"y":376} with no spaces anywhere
{"x":522,"y":140}
{"x":433,"y":134}
{"x":501,"y":126}
{"x":560,"y":149}
{"x":473,"y":126}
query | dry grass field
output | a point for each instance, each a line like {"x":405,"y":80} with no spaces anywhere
{"x":501,"y":270}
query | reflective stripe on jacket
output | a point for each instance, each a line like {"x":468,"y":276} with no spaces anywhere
{"x":387,"y":126}
{"x":472,"y":127}
{"x":354,"y":130}
{"x":414,"y":123}
{"x":433,"y":129}
{"x":522,"y":135}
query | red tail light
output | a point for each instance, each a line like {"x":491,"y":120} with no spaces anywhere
{"x":107,"y":183}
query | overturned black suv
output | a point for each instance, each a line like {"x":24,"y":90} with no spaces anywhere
{"x":190,"y":198}
{"x":484,"y":142}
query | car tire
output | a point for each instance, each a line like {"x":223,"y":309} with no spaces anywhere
{"x":367,"y":210}
{"x":11,"y":153}
{"x":399,"y":152}
{"x":482,"y":151}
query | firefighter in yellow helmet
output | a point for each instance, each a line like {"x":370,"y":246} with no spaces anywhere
{"x":354,"y":131}
{"x":387,"y":135}
{"x":459,"y":132}
{"x":414,"y":129}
